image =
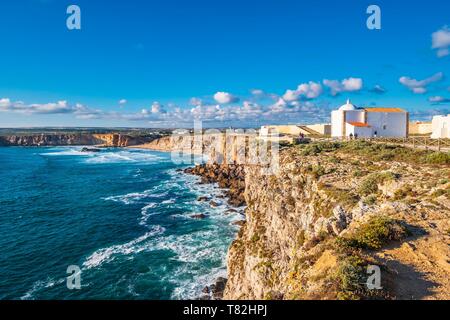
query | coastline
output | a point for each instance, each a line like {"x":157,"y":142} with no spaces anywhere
{"x":230,"y":179}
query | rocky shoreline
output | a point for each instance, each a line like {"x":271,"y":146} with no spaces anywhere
{"x":231,"y":178}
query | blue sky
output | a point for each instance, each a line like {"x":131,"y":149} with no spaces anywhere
{"x":237,"y":59}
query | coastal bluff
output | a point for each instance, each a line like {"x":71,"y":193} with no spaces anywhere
{"x":332,"y":212}
{"x":107,"y":140}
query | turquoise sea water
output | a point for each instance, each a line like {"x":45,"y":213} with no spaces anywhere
{"x":123,"y":216}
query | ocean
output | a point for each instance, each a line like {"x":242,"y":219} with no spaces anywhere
{"x":123,"y":216}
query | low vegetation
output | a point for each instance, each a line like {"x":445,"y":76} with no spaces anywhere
{"x":317,"y":148}
{"x":350,"y":277}
{"x":374,"y":234}
{"x":370,"y":184}
{"x":379,"y":152}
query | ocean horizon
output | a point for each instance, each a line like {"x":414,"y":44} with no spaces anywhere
{"x":124,"y":216}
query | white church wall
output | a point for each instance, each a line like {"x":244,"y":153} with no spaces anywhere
{"x":355,"y":116}
{"x":363,"y":132}
{"x":388,"y":124}
{"x":337,"y":118}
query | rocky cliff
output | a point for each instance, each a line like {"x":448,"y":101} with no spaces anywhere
{"x":230,"y":177}
{"x":332,"y":211}
{"x":109,"y":140}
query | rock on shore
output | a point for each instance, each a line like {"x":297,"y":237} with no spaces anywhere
{"x":231,"y":177}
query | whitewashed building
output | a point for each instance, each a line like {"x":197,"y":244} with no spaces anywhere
{"x":350,"y":120}
{"x":441,"y":127}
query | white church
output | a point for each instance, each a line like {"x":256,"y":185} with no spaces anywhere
{"x":350,"y":120}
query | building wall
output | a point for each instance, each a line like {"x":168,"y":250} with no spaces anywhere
{"x":441,"y":127}
{"x":295,"y":130}
{"x":420,"y":128}
{"x":337,"y":120}
{"x":362,"y":132}
{"x":324,"y":129}
{"x":354,"y":116}
{"x":290,"y":129}
{"x":388,"y":124}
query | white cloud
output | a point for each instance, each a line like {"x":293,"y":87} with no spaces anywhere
{"x":441,"y":41}
{"x":5,"y":103}
{"x":247,"y":112}
{"x":420,"y":86}
{"x":157,"y":107}
{"x":346,"y":85}
{"x":225,"y":98}
{"x":291,"y":95}
{"x":310,"y":90}
{"x":438,"y":100}
{"x":352,"y":84}
{"x":60,"y":107}
{"x":122,"y":102}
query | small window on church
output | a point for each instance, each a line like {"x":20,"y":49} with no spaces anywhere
{"x":384,"y":127}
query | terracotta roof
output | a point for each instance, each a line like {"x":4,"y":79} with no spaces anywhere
{"x":384,"y":110}
{"x":358,"y":124}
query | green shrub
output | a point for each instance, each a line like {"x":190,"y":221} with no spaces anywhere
{"x":370,"y":184}
{"x":437,"y":158}
{"x":358,"y":173}
{"x":345,"y":198}
{"x":255,"y":238}
{"x":335,"y":160}
{"x":372,"y":235}
{"x":370,"y":200}
{"x":318,"y":171}
{"x":404,"y":192}
{"x":351,"y":276}
{"x":317,"y":148}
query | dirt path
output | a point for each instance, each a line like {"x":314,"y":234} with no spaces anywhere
{"x":420,"y":267}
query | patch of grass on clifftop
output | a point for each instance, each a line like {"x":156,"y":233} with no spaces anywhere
{"x":374,"y":234}
{"x":319,"y":147}
{"x":437,"y":158}
{"x":387,"y":152}
{"x":370,"y":184}
{"x":377,"y":152}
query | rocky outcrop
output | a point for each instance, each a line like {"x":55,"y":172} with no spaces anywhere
{"x":230,"y":177}
{"x":121,"y":140}
{"x":108,"y":140}
{"x":215,"y":290}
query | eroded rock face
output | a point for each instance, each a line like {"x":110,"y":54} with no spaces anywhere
{"x":108,"y":140}
{"x":311,"y":199}
{"x":49,"y":140}
{"x":231,"y":177}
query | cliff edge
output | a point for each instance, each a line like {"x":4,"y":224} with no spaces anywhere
{"x":333,"y":213}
